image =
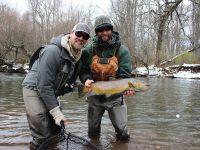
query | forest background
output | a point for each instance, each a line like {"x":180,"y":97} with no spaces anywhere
{"x":153,"y":30}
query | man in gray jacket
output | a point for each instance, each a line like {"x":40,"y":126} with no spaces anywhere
{"x":52,"y":74}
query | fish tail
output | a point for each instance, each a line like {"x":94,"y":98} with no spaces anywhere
{"x":82,"y":90}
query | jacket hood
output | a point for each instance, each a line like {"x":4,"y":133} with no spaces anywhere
{"x":57,"y":40}
{"x":75,"y":54}
{"x":115,"y":40}
{"x":62,"y":41}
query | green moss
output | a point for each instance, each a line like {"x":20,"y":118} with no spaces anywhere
{"x":189,"y":58}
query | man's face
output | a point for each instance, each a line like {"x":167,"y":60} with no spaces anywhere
{"x":105,"y":33}
{"x":78,"y":39}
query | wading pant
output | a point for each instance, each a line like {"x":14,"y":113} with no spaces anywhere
{"x":41,"y":123}
{"x":117,"y":111}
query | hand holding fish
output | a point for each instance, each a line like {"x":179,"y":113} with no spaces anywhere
{"x":129,"y":93}
{"x":88,"y":83}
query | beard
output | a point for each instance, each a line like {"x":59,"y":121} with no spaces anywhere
{"x":78,"y":44}
{"x":106,"y":38}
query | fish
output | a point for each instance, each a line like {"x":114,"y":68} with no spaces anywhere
{"x":112,"y":87}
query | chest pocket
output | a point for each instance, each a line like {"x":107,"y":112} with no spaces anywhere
{"x":104,"y":68}
{"x":63,"y":77}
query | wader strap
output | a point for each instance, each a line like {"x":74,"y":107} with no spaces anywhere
{"x":116,"y":51}
{"x":122,"y":99}
{"x":35,"y":56}
{"x":94,"y":52}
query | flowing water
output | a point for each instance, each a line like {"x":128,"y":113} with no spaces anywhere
{"x":166,"y":117}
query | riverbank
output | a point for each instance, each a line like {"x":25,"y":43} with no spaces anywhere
{"x":186,"y":71}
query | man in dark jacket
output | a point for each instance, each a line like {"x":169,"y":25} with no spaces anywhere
{"x":104,"y":59}
{"x":52,"y":74}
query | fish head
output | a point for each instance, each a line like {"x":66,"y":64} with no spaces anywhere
{"x":137,"y":86}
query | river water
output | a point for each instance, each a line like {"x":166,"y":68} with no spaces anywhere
{"x":166,"y":117}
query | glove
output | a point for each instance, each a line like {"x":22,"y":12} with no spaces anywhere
{"x":65,"y":89}
{"x":57,"y":115}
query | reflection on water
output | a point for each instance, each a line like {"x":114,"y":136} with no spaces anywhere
{"x":152,"y":117}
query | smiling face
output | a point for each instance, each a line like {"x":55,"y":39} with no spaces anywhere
{"x":105,"y":33}
{"x":78,"y":39}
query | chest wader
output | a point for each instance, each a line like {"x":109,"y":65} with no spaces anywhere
{"x":41,"y":123}
{"x":104,"y":68}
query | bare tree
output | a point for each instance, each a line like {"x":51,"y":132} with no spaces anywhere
{"x":11,"y":32}
{"x":44,"y":15}
{"x":51,"y":17}
{"x":169,"y":8}
{"x":154,"y":31}
{"x":196,"y":22}
{"x":123,"y":14}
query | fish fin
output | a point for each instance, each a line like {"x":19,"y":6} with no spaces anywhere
{"x":139,"y":86}
{"x":130,"y":85}
{"x":82,"y":90}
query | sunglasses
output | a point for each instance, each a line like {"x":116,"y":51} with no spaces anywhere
{"x":82,"y":34}
{"x":103,"y":29}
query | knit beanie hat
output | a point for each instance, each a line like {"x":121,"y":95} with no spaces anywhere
{"x":102,"y":21}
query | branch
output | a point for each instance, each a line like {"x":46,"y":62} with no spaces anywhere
{"x":170,"y":60}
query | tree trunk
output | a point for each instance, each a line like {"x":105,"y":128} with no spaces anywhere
{"x":169,"y":9}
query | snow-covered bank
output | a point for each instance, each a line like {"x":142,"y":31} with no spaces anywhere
{"x":187,"y":74}
{"x":14,"y":68}
{"x":152,"y":71}
{"x":189,"y":71}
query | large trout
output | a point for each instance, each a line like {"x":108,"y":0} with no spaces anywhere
{"x":112,"y":87}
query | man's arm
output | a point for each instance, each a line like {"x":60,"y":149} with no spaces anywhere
{"x":47,"y":70}
{"x":85,"y":72}
{"x":125,"y":63}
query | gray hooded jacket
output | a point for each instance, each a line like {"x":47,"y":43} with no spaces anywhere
{"x":51,"y":71}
